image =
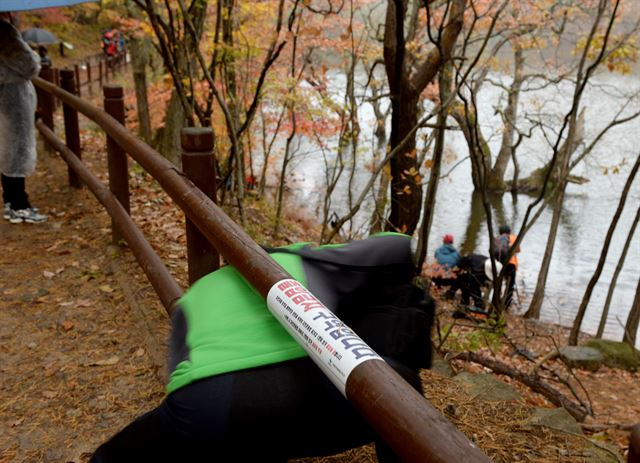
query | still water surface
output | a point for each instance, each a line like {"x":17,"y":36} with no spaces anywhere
{"x":587,"y":211}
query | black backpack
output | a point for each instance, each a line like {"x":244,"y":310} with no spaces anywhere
{"x":501,"y":248}
{"x":396,"y":325}
{"x":379,"y":302}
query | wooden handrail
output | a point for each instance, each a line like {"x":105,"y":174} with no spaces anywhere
{"x":159,"y":276}
{"x":407,"y":422}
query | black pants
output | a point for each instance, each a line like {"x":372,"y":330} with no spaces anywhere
{"x":470,"y":285}
{"x":14,"y":192}
{"x":267,"y":414}
{"x":510,"y":278}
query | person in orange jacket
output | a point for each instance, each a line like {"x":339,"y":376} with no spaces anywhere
{"x":511,"y":267}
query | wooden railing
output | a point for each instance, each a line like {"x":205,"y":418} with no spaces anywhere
{"x":411,"y":426}
{"x":634,"y":445}
{"x":98,"y":69}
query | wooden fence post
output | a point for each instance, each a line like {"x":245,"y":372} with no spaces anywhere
{"x":56,"y":81}
{"x":198,"y":165}
{"x":89,"y":77}
{"x":116,"y":156}
{"x":45,"y":99}
{"x":77,"y":71}
{"x":634,"y":445}
{"x":71,"y":126}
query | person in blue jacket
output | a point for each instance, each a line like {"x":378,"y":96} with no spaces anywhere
{"x":447,"y":262}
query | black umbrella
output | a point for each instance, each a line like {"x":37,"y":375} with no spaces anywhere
{"x":39,"y":36}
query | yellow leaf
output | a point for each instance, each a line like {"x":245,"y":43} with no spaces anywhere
{"x":106,"y":289}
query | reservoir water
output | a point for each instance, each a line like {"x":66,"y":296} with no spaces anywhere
{"x":587,"y":212}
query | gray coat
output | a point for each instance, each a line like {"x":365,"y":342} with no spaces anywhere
{"x":18,"y":64}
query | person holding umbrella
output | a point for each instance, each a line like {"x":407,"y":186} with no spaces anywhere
{"x":18,"y":64}
{"x":44,"y":56}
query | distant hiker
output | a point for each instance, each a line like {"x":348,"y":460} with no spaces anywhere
{"x":18,"y":64}
{"x":250,"y":182}
{"x":475,"y":272}
{"x":446,"y":265}
{"x":44,"y":56}
{"x":502,"y":243}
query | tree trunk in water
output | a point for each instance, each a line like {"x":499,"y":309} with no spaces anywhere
{"x":169,"y":144}
{"x":532,"y":183}
{"x":538,"y":294}
{"x":564,"y":158}
{"x":575,"y":329}
{"x":478,"y":147}
{"x":510,"y":116}
{"x":616,"y":273}
{"x":631,"y":327}
{"x":139,"y":58}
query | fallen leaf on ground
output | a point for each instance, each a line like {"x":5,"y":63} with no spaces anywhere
{"x":49,"y":394}
{"x":17,"y":422}
{"x":106,"y":289}
{"x":48,"y":274}
{"x":67,"y":325}
{"x":101,"y":363}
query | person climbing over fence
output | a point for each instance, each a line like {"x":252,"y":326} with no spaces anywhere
{"x":242,"y":389}
{"x":18,"y":64}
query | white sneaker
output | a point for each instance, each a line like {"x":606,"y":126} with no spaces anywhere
{"x":29,"y":215}
{"x":5,"y":213}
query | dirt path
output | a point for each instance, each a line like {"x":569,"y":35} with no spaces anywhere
{"x":72,"y":369}
{"x":82,"y":335}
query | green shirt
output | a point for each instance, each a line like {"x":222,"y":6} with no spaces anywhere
{"x":229,"y":326}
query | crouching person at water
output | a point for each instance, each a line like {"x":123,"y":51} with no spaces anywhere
{"x":474,"y":274}
{"x":242,"y":389}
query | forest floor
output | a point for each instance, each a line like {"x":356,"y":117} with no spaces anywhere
{"x":83,"y":336}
